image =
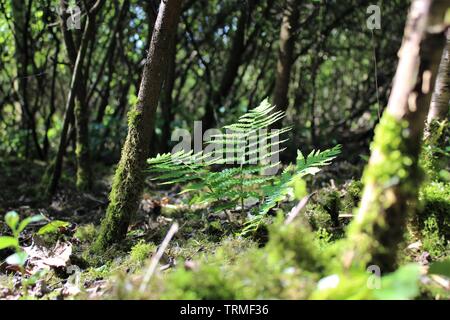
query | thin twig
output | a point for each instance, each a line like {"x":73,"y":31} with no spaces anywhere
{"x":155,"y":260}
{"x":297,"y":209}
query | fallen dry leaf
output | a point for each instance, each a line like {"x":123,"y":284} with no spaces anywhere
{"x":41,"y":256}
{"x":70,"y":289}
{"x":415,"y":245}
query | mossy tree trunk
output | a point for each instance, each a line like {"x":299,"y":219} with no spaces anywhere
{"x":76,"y":89}
{"x":392,"y":176}
{"x":128,"y":181}
{"x":81,"y":113}
{"x":437,"y":121}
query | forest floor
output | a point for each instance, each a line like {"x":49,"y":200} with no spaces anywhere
{"x":204,"y":240}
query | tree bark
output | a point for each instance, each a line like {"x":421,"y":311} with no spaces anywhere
{"x":129,"y":179}
{"x":231,"y":67}
{"x":441,"y":96}
{"x":436,"y":128}
{"x":392,"y":176}
{"x":21,"y":12}
{"x":108,"y":62}
{"x":289,"y":26}
{"x":83,"y":173}
{"x":167,"y":99}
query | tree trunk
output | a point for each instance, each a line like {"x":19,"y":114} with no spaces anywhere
{"x":21,"y":12}
{"x":129,"y":177}
{"x":108,"y":62}
{"x":167,"y":99}
{"x":81,"y":112}
{"x":81,"y":127}
{"x":289,"y":26}
{"x":436,"y":128}
{"x":231,"y":68}
{"x":441,"y":96}
{"x":392,"y":176}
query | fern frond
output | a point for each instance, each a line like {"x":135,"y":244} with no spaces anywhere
{"x":305,"y":166}
{"x":249,"y":145}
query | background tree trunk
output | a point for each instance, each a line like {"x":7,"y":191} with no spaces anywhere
{"x":129,"y":179}
{"x":231,"y":68}
{"x":167,"y":99}
{"x":289,"y":26}
{"x":392,"y":176}
{"x":441,"y":96}
{"x":432,"y":160}
{"x":81,"y":126}
{"x":21,"y":11}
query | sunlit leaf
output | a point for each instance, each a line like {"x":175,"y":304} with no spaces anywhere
{"x":7,"y":242}
{"x":25,"y":222}
{"x":53,"y":227}
{"x":11,"y":219}
{"x":17,"y":259}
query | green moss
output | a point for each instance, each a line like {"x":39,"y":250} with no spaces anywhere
{"x":83,"y":175}
{"x":127,"y":184}
{"x":232,"y":274}
{"x":330,"y":199}
{"x":86,"y":233}
{"x":433,"y":217}
{"x":390,"y":163}
{"x":289,"y":264}
{"x":323,"y":238}
{"x":317,"y":216}
{"x":295,"y":241}
{"x":207,"y":283}
{"x":390,"y":180}
{"x":114,"y":226}
{"x":97,"y":259}
{"x":433,"y":158}
{"x":352,"y":195}
{"x":433,"y":242}
{"x":133,"y":117}
{"x":141,"y":251}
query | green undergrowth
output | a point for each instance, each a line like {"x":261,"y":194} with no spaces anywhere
{"x":207,"y":259}
{"x":434,"y":218}
{"x":294,"y":264}
{"x":302,"y":260}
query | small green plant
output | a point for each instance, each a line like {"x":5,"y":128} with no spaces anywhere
{"x":249,"y":146}
{"x":13,"y":222}
{"x":19,"y":258}
{"x":433,"y":242}
{"x":53,"y":227}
